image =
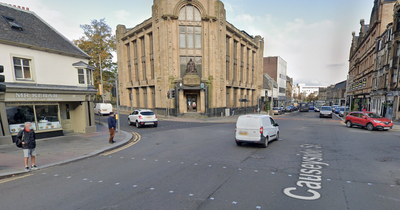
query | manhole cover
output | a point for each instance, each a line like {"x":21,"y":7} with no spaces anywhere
{"x":258,"y":156}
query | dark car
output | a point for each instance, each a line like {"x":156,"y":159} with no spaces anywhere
{"x":311,"y":107}
{"x":303,"y":107}
{"x":289,"y":109}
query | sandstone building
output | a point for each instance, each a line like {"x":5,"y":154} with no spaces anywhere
{"x":189,"y":47}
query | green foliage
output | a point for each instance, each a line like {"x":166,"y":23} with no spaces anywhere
{"x":98,"y":41}
{"x":267,"y":106}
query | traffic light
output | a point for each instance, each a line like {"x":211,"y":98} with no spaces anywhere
{"x":168,"y":94}
{"x":2,"y":79}
{"x":172,"y":93}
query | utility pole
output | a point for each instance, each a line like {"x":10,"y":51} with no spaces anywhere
{"x":101,"y":79}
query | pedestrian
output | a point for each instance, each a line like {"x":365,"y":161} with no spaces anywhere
{"x":111,"y":127}
{"x":27,"y":139}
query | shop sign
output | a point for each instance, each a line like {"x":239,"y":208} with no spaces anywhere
{"x":15,"y":97}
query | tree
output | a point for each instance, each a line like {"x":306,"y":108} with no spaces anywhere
{"x":98,"y":41}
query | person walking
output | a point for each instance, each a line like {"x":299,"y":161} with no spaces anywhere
{"x":27,"y":139}
{"x":111,"y":127}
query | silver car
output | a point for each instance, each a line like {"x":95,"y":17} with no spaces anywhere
{"x":325,"y":111}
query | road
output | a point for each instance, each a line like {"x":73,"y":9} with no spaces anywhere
{"x":317,"y":164}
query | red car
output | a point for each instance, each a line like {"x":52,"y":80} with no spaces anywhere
{"x":368,"y":120}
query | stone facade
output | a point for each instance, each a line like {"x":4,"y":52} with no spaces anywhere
{"x":154,"y":56}
{"x":363,"y":57}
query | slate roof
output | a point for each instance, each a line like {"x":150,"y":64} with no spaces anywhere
{"x":36,"y":34}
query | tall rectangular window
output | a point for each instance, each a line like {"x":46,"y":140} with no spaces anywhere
{"x":252,"y":67}
{"x":190,"y":37}
{"x":136,"y":60}
{"x":227,"y":57}
{"x":247,"y":65}
{"x":235,"y":43}
{"x":241,"y":63}
{"x":151,"y":55}
{"x":128,"y":55}
{"x":81,"y":76}
{"x":142,"y":41}
{"x":89,"y":77}
{"x":22,"y":68}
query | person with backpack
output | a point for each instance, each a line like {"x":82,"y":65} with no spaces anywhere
{"x":26,"y":140}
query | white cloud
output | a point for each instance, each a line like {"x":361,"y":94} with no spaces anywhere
{"x":122,"y":15}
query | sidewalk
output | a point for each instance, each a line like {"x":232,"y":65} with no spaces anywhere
{"x":60,"y":150}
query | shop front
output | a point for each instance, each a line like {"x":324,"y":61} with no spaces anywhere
{"x":51,"y":112}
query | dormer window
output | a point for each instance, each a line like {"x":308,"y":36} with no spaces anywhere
{"x":13,"y":23}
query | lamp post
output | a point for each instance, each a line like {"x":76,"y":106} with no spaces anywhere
{"x":101,"y":80}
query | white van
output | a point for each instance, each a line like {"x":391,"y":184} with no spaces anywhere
{"x":259,"y":129}
{"x":103,"y":108}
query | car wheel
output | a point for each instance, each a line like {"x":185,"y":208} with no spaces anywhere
{"x":265,"y":145}
{"x":277,"y":136}
{"x":239,"y":143}
{"x":137,"y":124}
{"x":370,"y":127}
{"x":349,"y":124}
{"x":320,"y":116}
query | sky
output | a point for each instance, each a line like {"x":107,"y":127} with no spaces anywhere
{"x":312,"y":36}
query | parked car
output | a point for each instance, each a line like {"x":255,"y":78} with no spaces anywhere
{"x":334,"y":107}
{"x":311,"y":107}
{"x":288,"y":109}
{"x":341,"y":111}
{"x":303,"y":107}
{"x":317,"y":109}
{"x":337,"y":109}
{"x":283,"y":110}
{"x":259,"y":129}
{"x":143,"y":117}
{"x":103,"y":108}
{"x":326,"y":111}
{"x":277,"y":110}
{"x":368,"y":120}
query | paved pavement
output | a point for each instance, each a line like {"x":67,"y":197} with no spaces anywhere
{"x":60,"y":150}
{"x":318,"y":164}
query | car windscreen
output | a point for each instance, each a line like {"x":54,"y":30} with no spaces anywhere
{"x":373,"y":115}
{"x":147,"y":113}
{"x":276,"y":108}
{"x":303,"y":105}
{"x":326,"y":108}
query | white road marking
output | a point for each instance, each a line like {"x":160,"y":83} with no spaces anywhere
{"x":133,"y":158}
{"x":169,"y":161}
{"x":212,"y":198}
{"x":100,"y":181}
{"x":171,"y":191}
{"x":289,"y":175}
{"x":151,"y":188}
{"x":43,"y":173}
{"x":209,"y":165}
{"x":272,"y":172}
{"x":84,"y":179}
{"x":56,"y":175}
{"x":144,"y":158}
{"x":256,"y":171}
{"x":349,"y":182}
{"x":328,"y":180}
{"x":69,"y":177}
{"x":117,"y":183}
{"x":191,"y":195}
{"x":156,"y":160}
{"x":121,"y":157}
{"x":258,"y":207}
{"x":134,"y":186}
{"x":224,"y":167}
{"x":369,"y":184}
{"x":234,"y":202}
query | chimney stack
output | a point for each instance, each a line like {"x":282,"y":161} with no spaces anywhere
{"x":19,"y":7}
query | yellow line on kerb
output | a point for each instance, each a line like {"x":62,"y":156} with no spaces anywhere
{"x":14,"y":178}
{"x":136,"y":139}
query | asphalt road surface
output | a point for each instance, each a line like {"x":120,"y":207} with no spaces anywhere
{"x":317,"y":164}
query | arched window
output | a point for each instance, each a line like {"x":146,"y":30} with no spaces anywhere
{"x":190,"y":38}
{"x":189,"y":13}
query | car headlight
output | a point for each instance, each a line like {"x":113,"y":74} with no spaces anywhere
{"x":377,"y":121}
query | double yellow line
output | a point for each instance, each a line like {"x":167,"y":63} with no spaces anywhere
{"x":14,"y":178}
{"x":136,"y":138}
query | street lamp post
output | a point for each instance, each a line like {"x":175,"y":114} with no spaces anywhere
{"x":101,"y":79}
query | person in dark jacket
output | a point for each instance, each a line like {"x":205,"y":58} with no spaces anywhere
{"x":111,"y":127}
{"x":28,"y":140}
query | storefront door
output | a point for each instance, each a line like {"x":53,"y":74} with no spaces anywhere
{"x":66,"y":118}
{"x":192,"y":103}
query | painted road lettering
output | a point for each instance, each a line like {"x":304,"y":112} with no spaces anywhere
{"x":311,"y":171}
